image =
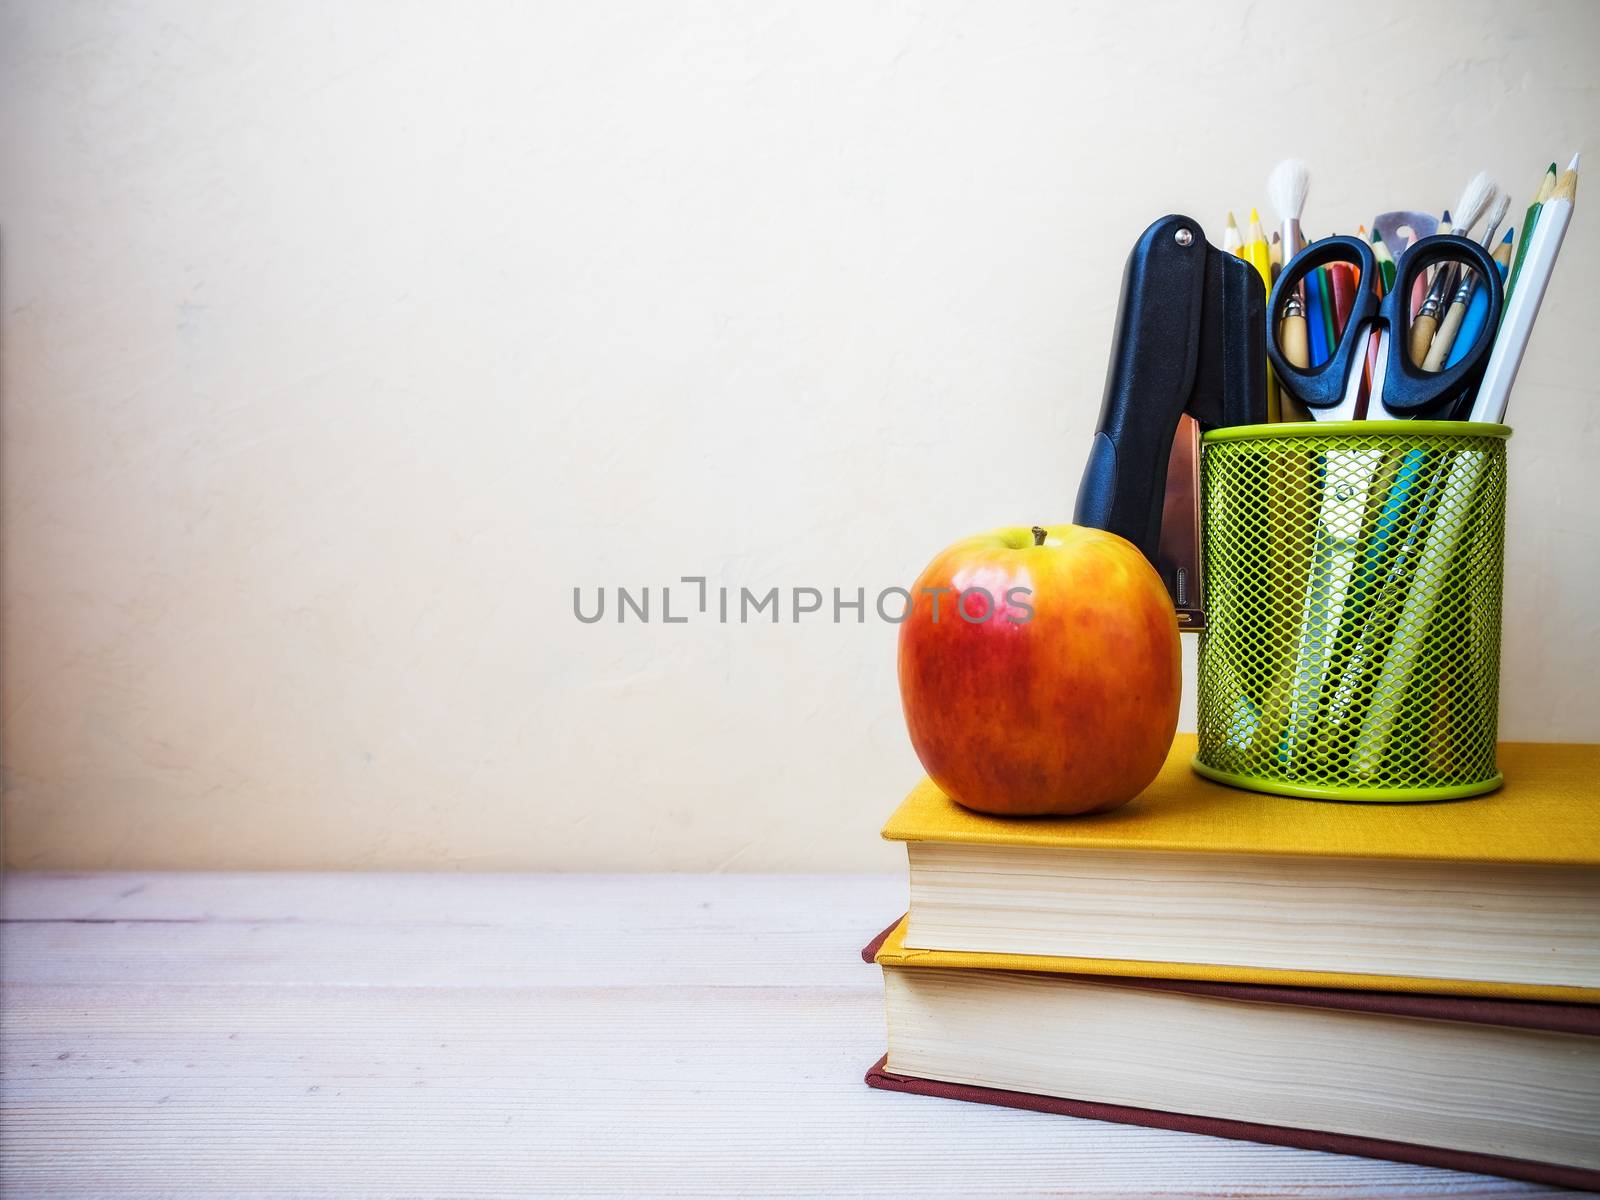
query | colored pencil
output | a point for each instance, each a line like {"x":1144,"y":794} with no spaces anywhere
{"x":1257,"y":251}
{"x":1259,"y":255}
{"x":1342,"y":284}
{"x":1382,"y":281}
{"x":1530,"y":222}
{"x":1464,"y":477}
{"x":1325,"y":303}
{"x":1380,"y":251}
{"x":1478,"y":307}
{"x":1316,"y":331}
{"x":1419,"y":285}
{"x":1516,"y":325}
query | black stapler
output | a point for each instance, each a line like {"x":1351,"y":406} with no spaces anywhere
{"x":1188,"y":354}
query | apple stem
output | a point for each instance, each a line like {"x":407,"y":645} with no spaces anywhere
{"x":1038,"y":535}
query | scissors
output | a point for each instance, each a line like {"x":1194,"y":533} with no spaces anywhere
{"x":1364,"y":547}
{"x":1401,"y":390}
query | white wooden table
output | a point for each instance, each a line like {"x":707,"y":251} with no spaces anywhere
{"x":379,"y":1035}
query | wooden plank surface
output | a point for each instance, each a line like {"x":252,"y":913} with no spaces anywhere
{"x":474,"y":1035}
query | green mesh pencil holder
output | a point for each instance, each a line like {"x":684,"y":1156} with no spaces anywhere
{"x":1353,"y":578}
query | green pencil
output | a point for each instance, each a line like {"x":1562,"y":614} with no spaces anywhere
{"x":1325,"y":292}
{"x":1380,"y":251}
{"x":1547,"y":184}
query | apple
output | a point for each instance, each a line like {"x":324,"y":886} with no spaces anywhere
{"x":1040,"y":671}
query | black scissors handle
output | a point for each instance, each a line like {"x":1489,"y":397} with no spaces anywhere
{"x":1322,"y":385}
{"x":1408,"y":390}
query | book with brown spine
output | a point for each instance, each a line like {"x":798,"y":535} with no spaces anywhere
{"x":1500,"y":1087}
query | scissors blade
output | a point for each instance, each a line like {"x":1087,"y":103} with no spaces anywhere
{"x":1345,"y":410}
{"x":1376,"y":409}
{"x":1347,"y":480}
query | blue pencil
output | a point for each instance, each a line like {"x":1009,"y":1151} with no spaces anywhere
{"x":1316,"y":332}
{"x":1472,"y":324}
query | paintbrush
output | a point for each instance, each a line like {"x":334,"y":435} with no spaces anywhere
{"x":1287,"y":188}
{"x":1475,"y":199}
{"x":1444,"y":341}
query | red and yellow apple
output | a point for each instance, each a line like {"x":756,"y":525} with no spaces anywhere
{"x":1040,"y":671}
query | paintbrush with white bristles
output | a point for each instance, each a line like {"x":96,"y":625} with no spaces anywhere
{"x":1445,"y":340}
{"x":1476,"y":197}
{"x":1287,"y":187}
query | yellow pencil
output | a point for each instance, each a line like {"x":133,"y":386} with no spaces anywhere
{"x":1257,"y":251}
{"x":1259,"y":255}
{"x":1502,"y":254}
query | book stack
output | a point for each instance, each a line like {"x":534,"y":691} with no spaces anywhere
{"x":1414,"y":982}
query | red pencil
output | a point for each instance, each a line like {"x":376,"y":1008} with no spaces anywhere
{"x":1342,"y":282}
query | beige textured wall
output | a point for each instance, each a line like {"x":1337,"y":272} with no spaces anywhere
{"x":342,"y":340}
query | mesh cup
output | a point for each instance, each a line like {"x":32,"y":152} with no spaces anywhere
{"x":1353,"y":580}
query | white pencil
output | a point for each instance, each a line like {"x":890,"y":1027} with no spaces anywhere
{"x":1523,"y":308}
{"x":1459,"y":488}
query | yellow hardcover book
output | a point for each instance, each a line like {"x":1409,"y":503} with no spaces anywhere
{"x":1494,"y":896}
{"x":893,"y":952}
